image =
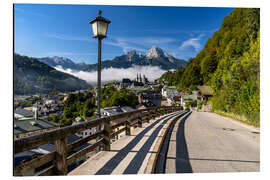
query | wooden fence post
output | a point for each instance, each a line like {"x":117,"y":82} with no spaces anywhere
{"x":148,"y":116}
{"x":128,"y":132}
{"x":164,"y":110}
{"x":107,"y":135}
{"x":61,"y":156}
{"x":154,"y":113}
{"x":140,"y":121}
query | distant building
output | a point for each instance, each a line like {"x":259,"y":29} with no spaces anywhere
{"x":127,"y":83}
{"x":168,"y":91}
{"x":204,"y":92}
{"x":22,"y":113}
{"x":152,"y":97}
{"x":174,"y":99}
{"x":30,"y":126}
{"x":110,"y":111}
{"x":188,"y":98}
{"x":86,"y":132}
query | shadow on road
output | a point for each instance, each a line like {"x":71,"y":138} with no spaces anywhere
{"x":136,"y":162}
{"x":182,"y":158}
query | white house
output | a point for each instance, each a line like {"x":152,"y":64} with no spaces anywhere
{"x":86,"y":132}
{"x":167,"y":91}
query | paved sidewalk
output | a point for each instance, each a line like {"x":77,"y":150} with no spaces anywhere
{"x":128,"y":155}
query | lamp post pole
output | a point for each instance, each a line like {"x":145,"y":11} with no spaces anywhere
{"x":99,"y":27}
{"x":99,"y":78}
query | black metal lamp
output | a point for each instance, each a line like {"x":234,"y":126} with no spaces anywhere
{"x":100,"y":26}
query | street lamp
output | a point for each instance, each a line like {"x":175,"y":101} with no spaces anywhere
{"x":99,"y":28}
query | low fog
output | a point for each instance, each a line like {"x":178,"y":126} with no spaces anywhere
{"x":116,"y":74}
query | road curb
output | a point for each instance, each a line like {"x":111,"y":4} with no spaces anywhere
{"x":151,"y":164}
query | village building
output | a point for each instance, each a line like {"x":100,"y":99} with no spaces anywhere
{"x":174,"y":99}
{"x":152,"y":97}
{"x":86,"y":132}
{"x":28,"y":125}
{"x":168,"y":91}
{"x":188,"y":98}
{"x":110,"y":111}
{"x":204,"y":92}
{"x":127,"y":83}
{"x":21,"y":113}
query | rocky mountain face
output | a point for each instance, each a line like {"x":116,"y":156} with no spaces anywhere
{"x":62,"y":61}
{"x":154,"y":57}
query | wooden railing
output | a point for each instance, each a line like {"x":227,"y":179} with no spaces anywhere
{"x":57,"y":161}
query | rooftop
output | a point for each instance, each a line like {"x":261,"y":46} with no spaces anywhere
{"x":205,"y":90}
{"x":20,"y":112}
{"x":117,"y":110}
{"x":30,"y":125}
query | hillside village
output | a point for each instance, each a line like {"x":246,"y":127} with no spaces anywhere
{"x":149,"y":94}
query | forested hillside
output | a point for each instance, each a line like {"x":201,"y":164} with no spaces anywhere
{"x":32,"y":76}
{"x":230,"y":64}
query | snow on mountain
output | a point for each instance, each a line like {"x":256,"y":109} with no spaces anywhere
{"x":64,"y":62}
{"x":154,"y":52}
{"x":153,"y":57}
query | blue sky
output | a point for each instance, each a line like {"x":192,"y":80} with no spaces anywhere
{"x":42,"y":30}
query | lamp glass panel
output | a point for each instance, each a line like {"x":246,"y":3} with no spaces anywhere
{"x":102,"y":28}
{"x":94,"y":28}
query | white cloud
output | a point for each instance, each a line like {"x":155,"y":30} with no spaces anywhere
{"x":68,"y":54}
{"x":69,"y":37}
{"x":193,"y":42}
{"x":125,"y":44}
{"x":113,"y":74}
{"x":139,"y":43}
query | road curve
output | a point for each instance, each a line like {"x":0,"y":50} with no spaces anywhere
{"x":207,"y":142}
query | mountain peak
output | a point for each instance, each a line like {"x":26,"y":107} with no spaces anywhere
{"x":62,"y":61}
{"x":132,"y":55}
{"x":155,"y":52}
{"x":132,"y":52}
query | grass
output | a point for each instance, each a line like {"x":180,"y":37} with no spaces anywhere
{"x":237,"y":117}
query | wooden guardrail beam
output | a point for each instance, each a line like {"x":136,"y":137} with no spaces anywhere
{"x":34,"y":163}
{"x":80,"y":142}
{"x":31,"y":142}
{"x":84,"y":151}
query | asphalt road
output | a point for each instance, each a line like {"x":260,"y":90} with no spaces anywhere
{"x":206,"y":142}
